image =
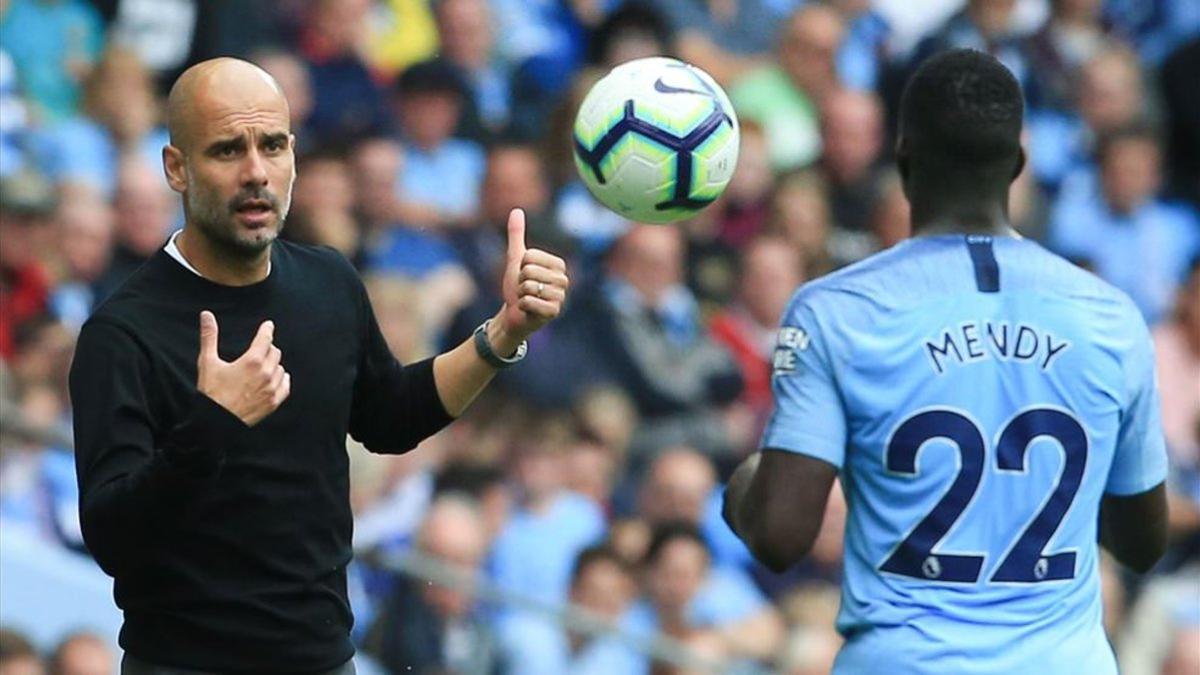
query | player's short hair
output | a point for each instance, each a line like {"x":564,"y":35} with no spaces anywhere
{"x":594,"y":555}
{"x":962,"y":108}
{"x":667,"y":533}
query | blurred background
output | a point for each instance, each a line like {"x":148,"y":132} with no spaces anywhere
{"x":569,"y":524}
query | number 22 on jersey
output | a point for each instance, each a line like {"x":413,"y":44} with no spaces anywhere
{"x":1026,"y":560}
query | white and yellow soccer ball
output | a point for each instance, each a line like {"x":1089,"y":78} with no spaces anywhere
{"x":656,"y":140}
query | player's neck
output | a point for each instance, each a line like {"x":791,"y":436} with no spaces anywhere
{"x":963,"y":218}
{"x":218,"y":267}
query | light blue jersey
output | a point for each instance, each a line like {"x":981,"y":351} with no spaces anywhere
{"x":980,"y":397}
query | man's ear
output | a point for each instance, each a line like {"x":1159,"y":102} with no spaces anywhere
{"x":175,"y":167}
{"x":1020,"y":163}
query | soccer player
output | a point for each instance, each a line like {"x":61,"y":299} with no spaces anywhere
{"x":980,"y":399}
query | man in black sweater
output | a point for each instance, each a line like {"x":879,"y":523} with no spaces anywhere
{"x":212,"y":464}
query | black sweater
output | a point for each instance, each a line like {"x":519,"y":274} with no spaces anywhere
{"x":228,"y":544}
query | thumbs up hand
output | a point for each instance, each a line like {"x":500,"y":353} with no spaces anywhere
{"x":251,"y":387}
{"x":535,"y":285}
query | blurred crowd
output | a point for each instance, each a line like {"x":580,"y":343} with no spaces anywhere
{"x":591,"y":473}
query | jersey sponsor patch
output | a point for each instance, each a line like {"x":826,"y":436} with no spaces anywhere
{"x":792,"y":340}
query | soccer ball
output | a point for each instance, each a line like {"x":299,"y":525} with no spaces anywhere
{"x":656,"y":140}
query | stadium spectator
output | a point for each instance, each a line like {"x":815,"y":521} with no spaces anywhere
{"x":392,"y":247}
{"x":161,"y":35}
{"x":483,"y":482}
{"x":746,"y":204}
{"x":783,"y":98}
{"x":985,"y":25}
{"x":603,"y":584}
{"x":347,"y":103}
{"x":543,"y":41}
{"x":17,"y":655}
{"x":429,"y":628}
{"x":812,"y":643}
{"x":642,"y":331}
{"x":1155,"y":27}
{"x":293,"y":78}
{"x":633,"y":31}
{"x":684,"y":598}
{"x":680,"y":485}
{"x":861,"y":61}
{"x":1109,"y":96}
{"x":26,"y":204}
{"x":85,"y":231}
{"x":441,"y":173}
{"x":53,"y":44}
{"x":465,"y":30}
{"x":403,"y":32}
{"x":323,"y":206}
{"x":771,"y":268}
{"x":1159,"y":637}
{"x":607,"y":415}
{"x":533,"y":554}
{"x":119,"y":118}
{"x":514,"y":175}
{"x":1135,"y":241}
{"x":1074,"y":33}
{"x":82,"y":654}
{"x":726,"y":39}
{"x":591,"y":468}
{"x":801,"y":214}
{"x":145,"y":215}
{"x":852,"y":141}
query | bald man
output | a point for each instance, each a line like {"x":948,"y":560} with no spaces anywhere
{"x":213,"y":393}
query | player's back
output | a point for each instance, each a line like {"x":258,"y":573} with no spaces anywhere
{"x":985,"y":387}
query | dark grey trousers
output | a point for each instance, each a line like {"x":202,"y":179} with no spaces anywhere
{"x":131,"y":665}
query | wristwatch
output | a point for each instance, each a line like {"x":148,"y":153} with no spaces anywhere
{"x":484,"y":349}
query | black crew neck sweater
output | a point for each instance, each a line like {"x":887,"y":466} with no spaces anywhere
{"x":228,"y":544}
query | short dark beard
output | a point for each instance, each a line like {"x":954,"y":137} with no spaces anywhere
{"x":217,"y":226}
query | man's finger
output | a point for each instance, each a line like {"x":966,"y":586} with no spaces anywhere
{"x":284,"y":390}
{"x":544,"y":275}
{"x":208,"y":336}
{"x":544,"y":309}
{"x":262,"y":340}
{"x":535,"y":256}
{"x":277,"y":376}
{"x":538,"y":289}
{"x":516,"y":237}
{"x":274,"y":356}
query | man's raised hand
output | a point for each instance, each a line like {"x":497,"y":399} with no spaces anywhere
{"x":251,"y":387}
{"x":535,"y":286}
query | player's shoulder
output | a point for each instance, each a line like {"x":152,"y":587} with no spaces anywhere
{"x":1041,"y":271}
{"x":861,"y":281}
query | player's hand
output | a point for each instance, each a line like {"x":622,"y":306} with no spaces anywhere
{"x":534,"y":288}
{"x":251,"y":387}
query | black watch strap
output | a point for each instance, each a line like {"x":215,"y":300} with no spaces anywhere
{"x":484,"y":349}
